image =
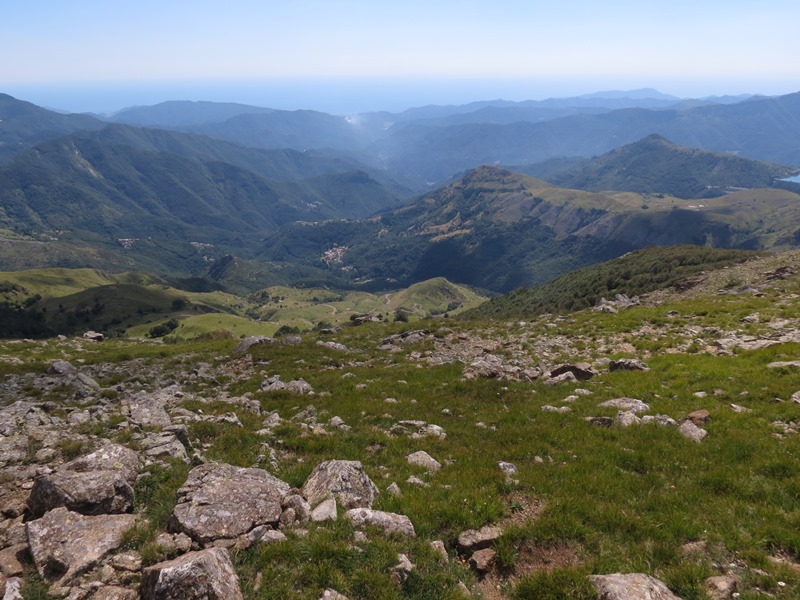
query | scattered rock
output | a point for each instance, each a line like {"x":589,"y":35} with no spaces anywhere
{"x":325,"y":511}
{"x":568,"y":377}
{"x":204,"y":575}
{"x":627,"y":404}
{"x":582,"y":371}
{"x":98,"y":483}
{"x":720,"y":587}
{"x":507,"y":467}
{"x":627,"y":364}
{"x":424,"y":460}
{"x":389,"y":522}
{"x":403,"y":568}
{"x":631,"y":586}
{"x":471,"y":540}
{"x":244,"y":346}
{"x":297,"y":386}
{"x":692,"y":432}
{"x":626,"y":418}
{"x":417,"y":429}
{"x":698,"y":417}
{"x":331,"y":594}
{"x":482,"y":561}
{"x":65,"y":544}
{"x":222,"y":502}
{"x":343,"y":479}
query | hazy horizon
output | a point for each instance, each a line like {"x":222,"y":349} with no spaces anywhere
{"x":347,"y":96}
{"x":358,"y":55}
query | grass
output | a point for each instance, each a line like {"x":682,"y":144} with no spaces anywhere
{"x":612,"y":499}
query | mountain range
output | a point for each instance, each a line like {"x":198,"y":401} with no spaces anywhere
{"x":253,"y":196}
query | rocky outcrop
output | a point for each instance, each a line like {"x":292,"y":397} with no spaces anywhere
{"x":343,"y":479}
{"x":65,"y":544}
{"x":203,"y":575}
{"x":631,"y":586}
{"x":98,"y":483}
{"x":222,"y":502}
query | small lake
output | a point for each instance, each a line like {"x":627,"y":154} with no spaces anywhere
{"x":795,"y":179}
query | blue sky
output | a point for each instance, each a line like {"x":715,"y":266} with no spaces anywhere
{"x":235,"y":50}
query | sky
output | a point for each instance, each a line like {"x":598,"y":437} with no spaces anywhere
{"x":352,"y":55}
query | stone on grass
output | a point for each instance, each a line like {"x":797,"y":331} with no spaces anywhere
{"x":631,"y":586}
{"x":345,"y":480}
{"x":424,"y":460}
{"x":626,"y":418}
{"x":628,"y":404}
{"x":582,"y":371}
{"x":65,"y":544}
{"x":331,"y":594}
{"x":471,"y":540}
{"x":98,"y":483}
{"x":698,"y":417}
{"x":256,"y":340}
{"x":692,"y":432}
{"x":627,"y":364}
{"x":720,"y":587}
{"x":222,"y":502}
{"x":325,"y":511}
{"x":204,"y":575}
{"x":389,"y":522}
{"x":482,"y":561}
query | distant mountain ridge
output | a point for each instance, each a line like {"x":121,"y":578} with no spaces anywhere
{"x":654,"y":165}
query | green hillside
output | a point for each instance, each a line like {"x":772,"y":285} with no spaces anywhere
{"x":633,"y":274}
{"x":654,"y":165}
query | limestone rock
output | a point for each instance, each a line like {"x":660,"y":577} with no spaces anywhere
{"x":98,"y":483}
{"x":65,"y":544}
{"x":146,"y":410}
{"x":204,"y":575}
{"x":389,"y":522}
{"x":482,"y":561}
{"x":11,"y":588}
{"x":698,"y":417}
{"x":244,"y":346}
{"x":472,"y":540}
{"x":331,"y":594}
{"x":627,"y":364}
{"x":631,"y":586}
{"x":626,"y":418}
{"x":325,"y":511}
{"x":582,"y":371}
{"x":627,"y":404}
{"x":11,"y":560}
{"x":114,"y":592}
{"x":720,"y":587}
{"x":692,"y":432}
{"x":425,"y":460}
{"x":343,"y":479}
{"x":222,"y":502}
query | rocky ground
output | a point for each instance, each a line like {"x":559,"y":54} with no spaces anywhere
{"x":91,"y":430}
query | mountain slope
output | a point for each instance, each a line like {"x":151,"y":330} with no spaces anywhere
{"x":654,"y":165}
{"x":635,"y":273}
{"x":116,"y":191}
{"x":498,"y":230}
{"x":180,"y":113}
{"x":23,"y":125}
